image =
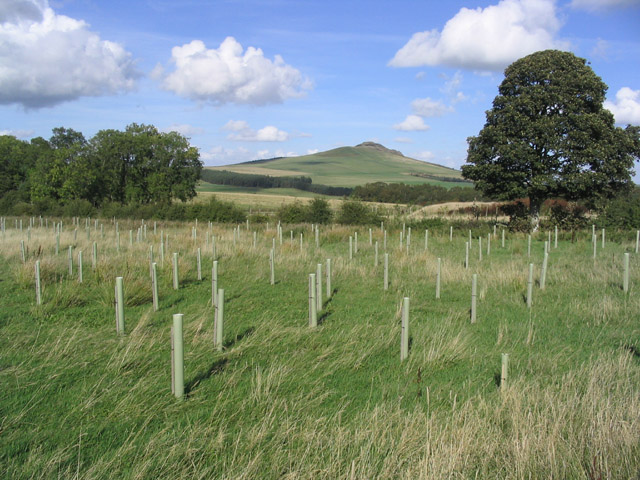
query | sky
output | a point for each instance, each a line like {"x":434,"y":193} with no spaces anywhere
{"x":264,"y":78}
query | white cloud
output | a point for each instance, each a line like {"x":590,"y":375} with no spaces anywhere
{"x":413,"y":123}
{"x":452,"y":87}
{"x":403,"y":140}
{"x":601,"y":49}
{"x":236,"y":125}
{"x":593,"y":5}
{"x":425,"y":107}
{"x":47,"y":59}
{"x":244,"y":133}
{"x":626,"y":108}
{"x":223,"y":156}
{"x":485,"y":39}
{"x":17,"y":133}
{"x":424,"y":155}
{"x":230,"y":75}
{"x":311,"y":151}
{"x":184,"y":129}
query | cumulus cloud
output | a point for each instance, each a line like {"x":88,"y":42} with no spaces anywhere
{"x":219,"y":155}
{"x":184,"y":129}
{"x":228,"y":74}
{"x":403,"y":140}
{"x":425,"y":155}
{"x":413,"y":123}
{"x":17,"y":133}
{"x":626,"y":108}
{"x":485,"y":38}
{"x":47,"y":59}
{"x":593,"y":5}
{"x":241,"y":131}
{"x":426,"y":107}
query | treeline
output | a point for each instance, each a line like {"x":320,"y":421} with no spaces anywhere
{"x":137,"y":166}
{"x":225,"y":177}
{"x":424,"y":194}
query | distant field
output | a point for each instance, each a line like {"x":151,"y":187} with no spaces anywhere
{"x":204,"y":187}
{"x":352,"y":166}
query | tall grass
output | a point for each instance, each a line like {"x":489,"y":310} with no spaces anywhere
{"x":284,"y":401}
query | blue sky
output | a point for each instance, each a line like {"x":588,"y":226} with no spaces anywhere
{"x":257,"y":79}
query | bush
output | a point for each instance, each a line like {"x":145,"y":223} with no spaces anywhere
{"x":357,"y":213}
{"x":319,"y":211}
{"x":293,"y":213}
{"x":567,"y":216}
{"x":518,"y":213}
{"x":622,"y":212}
{"x":78,"y":208}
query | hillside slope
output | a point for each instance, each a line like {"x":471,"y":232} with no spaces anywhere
{"x":350,"y":166}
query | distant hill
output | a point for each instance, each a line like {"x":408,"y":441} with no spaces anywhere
{"x":351,"y":166}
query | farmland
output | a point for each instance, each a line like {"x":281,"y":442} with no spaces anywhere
{"x":284,"y":400}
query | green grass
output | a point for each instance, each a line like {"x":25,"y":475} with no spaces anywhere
{"x":352,"y":166}
{"x":285,"y":401}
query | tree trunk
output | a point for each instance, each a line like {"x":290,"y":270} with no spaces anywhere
{"x":534,"y":213}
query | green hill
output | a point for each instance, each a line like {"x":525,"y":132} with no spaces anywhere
{"x":351,"y":166}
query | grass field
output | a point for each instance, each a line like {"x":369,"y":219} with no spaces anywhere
{"x":352,"y":166}
{"x":283,"y":400}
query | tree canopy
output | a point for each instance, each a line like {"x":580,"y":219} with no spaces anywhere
{"x":139,"y":165}
{"x":548,"y":135}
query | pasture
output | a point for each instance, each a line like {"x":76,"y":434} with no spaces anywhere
{"x":286,"y":400}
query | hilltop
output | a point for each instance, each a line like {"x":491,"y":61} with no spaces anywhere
{"x":367,"y":162}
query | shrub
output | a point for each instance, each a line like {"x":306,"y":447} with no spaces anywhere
{"x":319,"y":211}
{"x":293,"y":213}
{"x":357,"y":213}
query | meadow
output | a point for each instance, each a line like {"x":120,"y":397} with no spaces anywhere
{"x":285,"y":400}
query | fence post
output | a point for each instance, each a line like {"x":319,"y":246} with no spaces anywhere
{"x":328,"y":282}
{"x":386,"y":271}
{"x":474,"y":292}
{"x":154,"y":285}
{"x":319,"y":287}
{"x":38,"y":289}
{"x":530,"y":286}
{"x":218,"y":328}
{"x":178,"y":357}
{"x":313,"y":307}
{"x":404,"y":335}
{"x":119,"y":306}
{"x":438,"y":271}
{"x":625,"y":280}
{"x":504,"y":371}
{"x":543,"y":272}
{"x":175,"y":272}
{"x":214,"y":283}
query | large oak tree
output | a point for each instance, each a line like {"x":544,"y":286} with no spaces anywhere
{"x":548,"y":135}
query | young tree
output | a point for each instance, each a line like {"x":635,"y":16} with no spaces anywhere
{"x":548,"y":135}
